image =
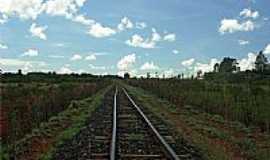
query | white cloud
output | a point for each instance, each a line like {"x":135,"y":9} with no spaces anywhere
{"x":169,"y":73}
{"x":3,"y":46}
{"x":76,"y":57}
{"x":175,"y":51}
{"x":31,"y":9}
{"x":141,"y":25}
{"x":31,"y":53}
{"x":125,"y":24}
{"x":55,"y":56}
{"x":24,"y":9}
{"x":65,"y":70}
{"x":188,"y":62}
{"x":99,"y":31}
{"x":138,"y":41}
{"x":267,"y":49}
{"x":170,"y":37}
{"x":132,"y":73}
{"x":208,"y":67}
{"x":243,"y":42}
{"x":232,"y":25}
{"x":7,"y":63}
{"x":97,"y":67}
{"x":247,"y":63}
{"x":247,"y":13}
{"x":149,"y":66}
{"x":11,"y":62}
{"x":61,"y":7}
{"x":59,"y":44}
{"x":38,"y":31}
{"x":91,"y":57}
{"x":155,"y":36}
{"x":3,"y":19}
{"x":126,"y":62}
{"x":83,"y":20}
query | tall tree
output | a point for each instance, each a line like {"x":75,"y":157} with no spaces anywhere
{"x":261,"y":62}
{"x":228,"y":65}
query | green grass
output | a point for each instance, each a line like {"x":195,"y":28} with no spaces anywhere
{"x":79,"y":121}
{"x":61,"y":127}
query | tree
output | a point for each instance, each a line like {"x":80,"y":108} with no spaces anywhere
{"x":228,"y":65}
{"x":19,"y":72}
{"x":261,"y":62}
{"x":126,"y":75}
{"x":199,"y":74}
{"x":148,"y":75}
{"x":216,"y":67}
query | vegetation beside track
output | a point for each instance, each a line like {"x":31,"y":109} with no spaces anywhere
{"x":42,"y":140}
{"x":216,"y":137}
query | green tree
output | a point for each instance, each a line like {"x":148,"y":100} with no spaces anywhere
{"x":228,"y":65}
{"x":261,"y":62}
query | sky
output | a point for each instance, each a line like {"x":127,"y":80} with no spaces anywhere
{"x":136,"y":36}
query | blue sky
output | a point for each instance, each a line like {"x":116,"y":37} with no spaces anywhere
{"x":135,"y":36}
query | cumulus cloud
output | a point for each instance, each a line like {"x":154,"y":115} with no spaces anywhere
{"x":38,"y":31}
{"x":65,"y":70}
{"x":24,"y":9}
{"x":3,"y":46}
{"x":99,"y":31}
{"x":248,"y":13}
{"x":91,"y":57}
{"x":205,"y":67}
{"x":3,"y":18}
{"x":141,"y":25}
{"x":138,"y":41}
{"x":247,"y":63}
{"x":151,"y":42}
{"x":170,"y":37}
{"x":243,"y":42}
{"x":169,"y":73}
{"x":233,"y":25}
{"x":8,"y":63}
{"x":76,"y":57}
{"x":188,"y":62}
{"x":149,"y":66}
{"x":267,"y":49}
{"x":31,"y":53}
{"x":83,"y":20}
{"x":175,"y":51}
{"x":63,"y":7}
{"x":31,"y":9}
{"x":125,"y":24}
{"x":126,"y":62}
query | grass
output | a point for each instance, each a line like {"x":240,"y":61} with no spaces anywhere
{"x":58,"y":129}
{"x":216,"y":137}
{"x":79,"y":122}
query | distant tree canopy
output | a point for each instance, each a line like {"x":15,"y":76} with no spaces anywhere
{"x":227,"y":65}
{"x":224,"y":70}
{"x":261,"y":63}
{"x":126,"y":75}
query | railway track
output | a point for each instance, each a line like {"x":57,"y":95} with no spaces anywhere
{"x":120,"y":129}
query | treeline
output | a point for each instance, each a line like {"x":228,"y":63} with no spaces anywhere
{"x":25,"y":105}
{"x":51,"y":77}
{"x":244,"y":101}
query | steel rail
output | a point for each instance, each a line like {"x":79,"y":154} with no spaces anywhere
{"x":160,"y":138}
{"x":113,"y":140}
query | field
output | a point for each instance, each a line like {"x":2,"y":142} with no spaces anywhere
{"x":41,"y":115}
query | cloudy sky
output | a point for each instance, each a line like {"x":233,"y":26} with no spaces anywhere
{"x":138,"y":36}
